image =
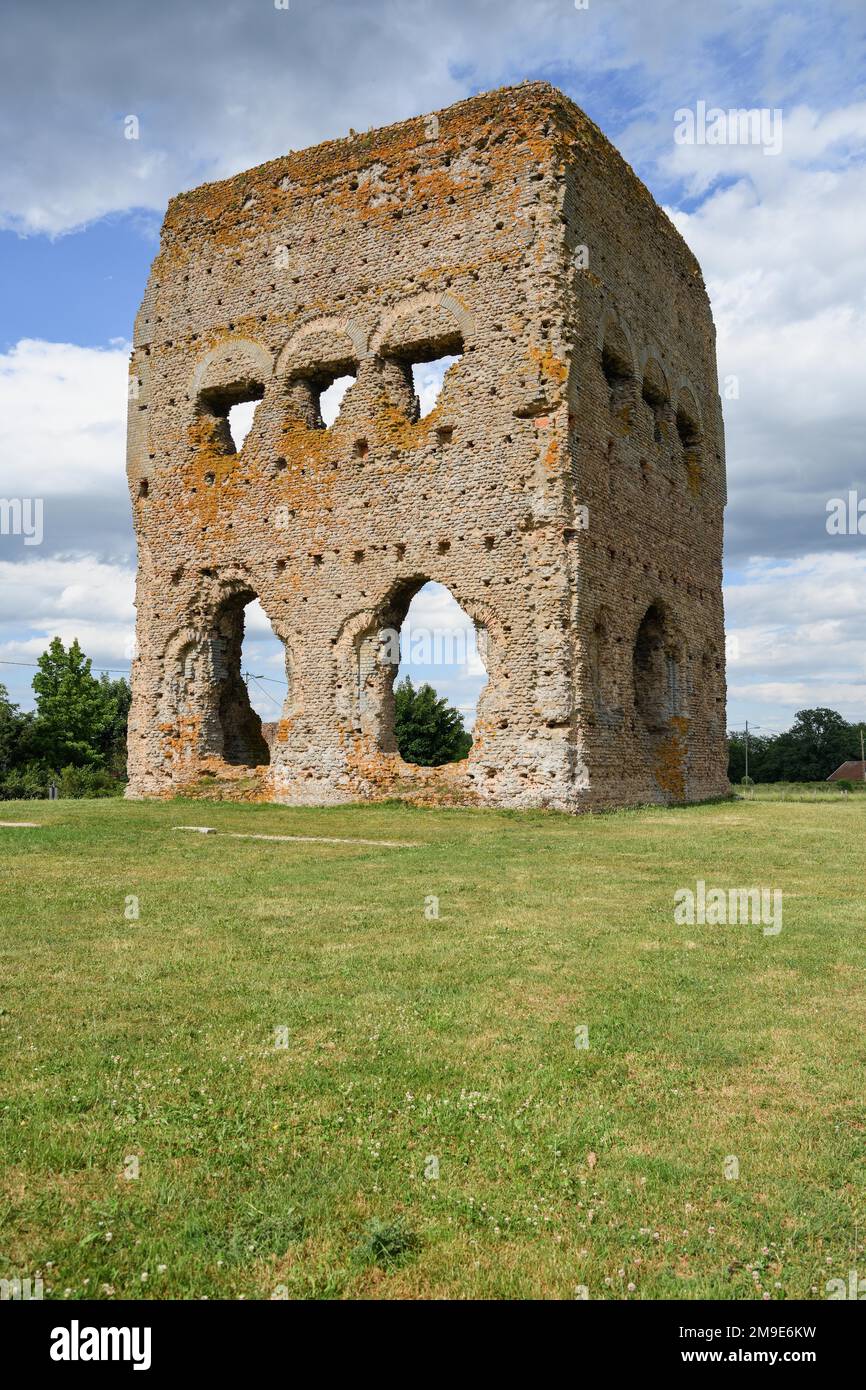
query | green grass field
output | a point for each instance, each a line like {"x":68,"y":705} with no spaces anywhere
{"x":301,"y":1161}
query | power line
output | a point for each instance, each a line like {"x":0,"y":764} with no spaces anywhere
{"x":266,"y":693}
{"x":109,"y":670}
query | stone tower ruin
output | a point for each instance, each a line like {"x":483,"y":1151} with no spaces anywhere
{"x":567,"y":487}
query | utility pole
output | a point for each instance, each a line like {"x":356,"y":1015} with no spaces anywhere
{"x":862,"y":761}
{"x":754,"y":726}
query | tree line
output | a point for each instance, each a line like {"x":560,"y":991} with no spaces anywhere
{"x":818,"y":742}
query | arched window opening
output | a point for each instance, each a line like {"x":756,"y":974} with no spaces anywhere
{"x":439,"y":680}
{"x":239,"y":727}
{"x":420,"y":672}
{"x":316,"y":394}
{"x":687,"y":428}
{"x":264,"y":671}
{"x":655,"y":396}
{"x":617,"y":366}
{"x":224,"y":675}
{"x":658,"y":686}
{"x":229,"y":411}
{"x":689,"y":433}
{"x":415,"y":373}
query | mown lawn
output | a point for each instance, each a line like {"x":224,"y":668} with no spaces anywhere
{"x":300,"y":1161}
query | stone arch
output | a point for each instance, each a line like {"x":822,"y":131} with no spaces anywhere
{"x":318,"y":353}
{"x":613,"y":328}
{"x":204,"y":707}
{"x":323,"y":338}
{"x":617,"y":360}
{"x":235,"y":359}
{"x":427,"y":319}
{"x":423,"y":328}
{"x":368,"y":655}
{"x":682,"y":389}
{"x":232,"y":373}
{"x":656,"y":396}
{"x":659,"y":669}
{"x":688,"y":414}
{"x":690,"y":433}
{"x":186,"y":715}
{"x":602,"y":662}
{"x":652,"y":352}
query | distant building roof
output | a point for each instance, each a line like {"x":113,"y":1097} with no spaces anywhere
{"x":848,"y":772}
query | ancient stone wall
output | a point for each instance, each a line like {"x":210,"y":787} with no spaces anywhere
{"x":567,"y":487}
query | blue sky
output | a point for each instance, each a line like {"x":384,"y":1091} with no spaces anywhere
{"x":84,"y":287}
{"x":221,"y":87}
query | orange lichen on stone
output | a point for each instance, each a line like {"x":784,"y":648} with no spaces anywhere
{"x":670,"y":760}
{"x":588,"y":551}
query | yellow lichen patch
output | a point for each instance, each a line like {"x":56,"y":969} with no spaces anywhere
{"x":551,"y":455}
{"x":376,"y":775}
{"x":180,"y":740}
{"x":670,"y":759}
{"x":549,"y":366}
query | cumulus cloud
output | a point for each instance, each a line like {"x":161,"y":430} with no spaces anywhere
{"x":784,"y":261}
{"x":221,"y":87}
{"x":63,"y":439}
{"x":797,"y":636}
{"x":45,"y":598}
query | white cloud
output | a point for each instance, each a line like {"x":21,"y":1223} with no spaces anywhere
{"x":428,"y":378}
{"x":45,"y":598}
{"x":216,"y":94}
{"x":52,"y":592}
{"x":783,"y":257}
{"x":63,"y":440}
{"x":797,"y":637}
{"x":62,"y":418}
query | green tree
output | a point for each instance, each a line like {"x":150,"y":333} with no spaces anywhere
{"x":429,"y":730}
{"x":74,"y":711}
{"x":10,"y":725}
{"x":118,"y":698}
{"x":815,"y":745}
{"x":818,"y":741}
{"x":758,"y":746}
